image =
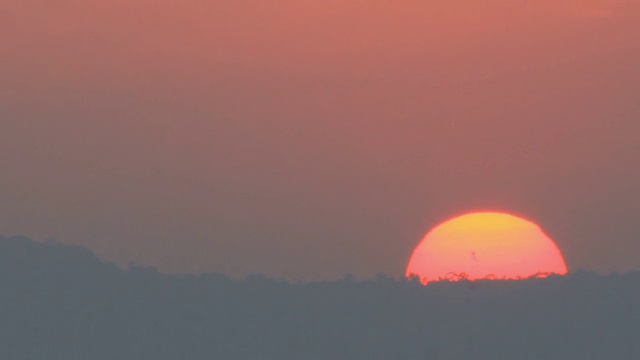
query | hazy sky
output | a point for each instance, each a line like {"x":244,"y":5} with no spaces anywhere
{"x":313,"y":138}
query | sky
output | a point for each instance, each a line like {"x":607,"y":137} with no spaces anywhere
{"x":309,"y":139}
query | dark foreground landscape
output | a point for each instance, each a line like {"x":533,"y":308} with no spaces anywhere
{"x":61,"y":302}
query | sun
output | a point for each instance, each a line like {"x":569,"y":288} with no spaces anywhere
{"x":485,"y":245}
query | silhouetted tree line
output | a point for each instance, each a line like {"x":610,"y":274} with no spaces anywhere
{"x":60,"y":302}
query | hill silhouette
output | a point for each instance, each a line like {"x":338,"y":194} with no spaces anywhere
{"x":61,"y":302}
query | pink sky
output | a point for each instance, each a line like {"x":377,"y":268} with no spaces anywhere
{"x":309,"y":139}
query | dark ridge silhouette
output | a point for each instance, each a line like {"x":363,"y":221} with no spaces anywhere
{"x":61,"y":302}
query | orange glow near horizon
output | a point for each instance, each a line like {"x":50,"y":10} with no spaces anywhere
{"x":485,"y":245}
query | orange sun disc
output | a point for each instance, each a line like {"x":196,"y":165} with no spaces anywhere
{"x":485,"y":245}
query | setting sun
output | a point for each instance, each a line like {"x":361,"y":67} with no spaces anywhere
{"x":485,"y":245}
